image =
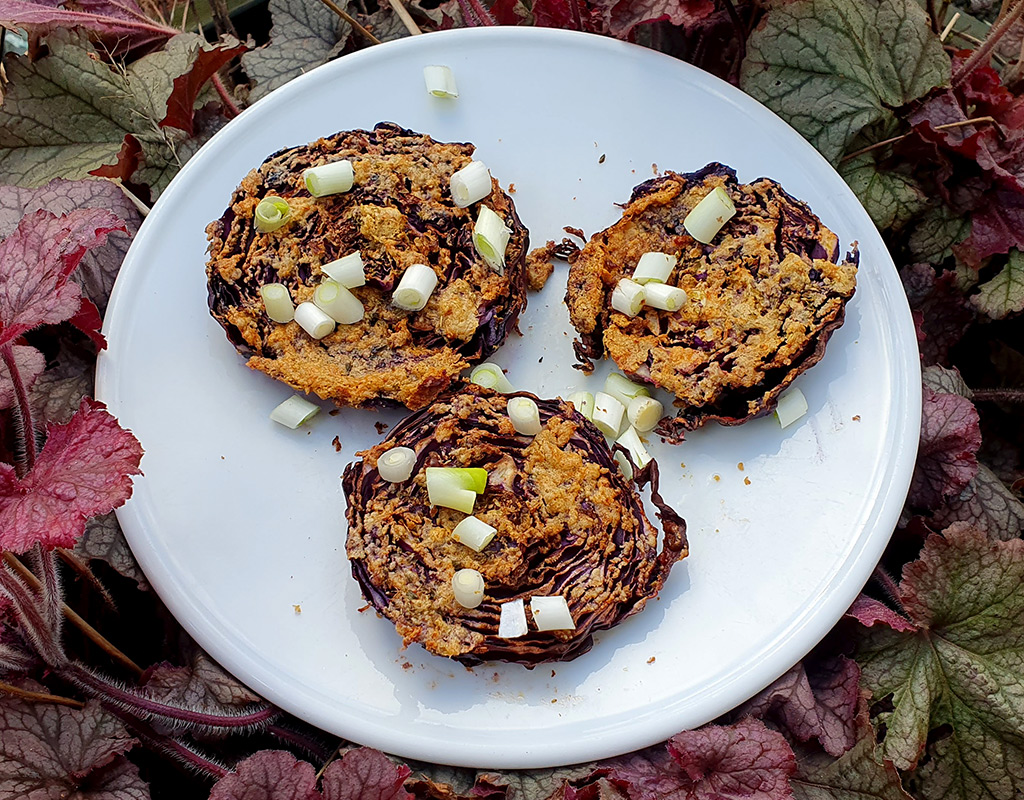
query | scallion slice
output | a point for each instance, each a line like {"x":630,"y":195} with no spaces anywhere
{"x":709,"y":216}
{"x":551,"y":613}
{"x":470,"y":184}
{"x":584,"y":403}
{"x":294,"y":411}
{"x":623,"y":389}
{"x":630,"y":439}
{"x":348,"y":270}
{"x":455,"y":487}
{"x":474,"y":533}
{"x":271,"y":213}
{"x":396,"y":465}
{"x":512,"y":623}
{"x":643,"y":413}
{"x":440,"y":81}
{"x":278,"y":302}
{"x":654,"y":267}
{"x":628,"y":297}
{"x":314,"y":320}
{"x":326,"y":179}
{"x":608,"y":414}
{"x":338,"y":302}
{"x":468,"y":587}
{"x":792,"y":405}
{"x":490,"y":376}
{"x":525,"y":415}
{"x":663,"y":296}
{"x":490,"y":237}
{"x":415,"y":288}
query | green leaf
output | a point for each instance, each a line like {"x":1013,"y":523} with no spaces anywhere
{"x":1004,"y":294}
{"x":305,"y":35}
{"x":832,"y":67}
{"x":986,"y":504}
{"x":891,"y":197}
{"x":963,"y":670}
{"x":933,"y":236}
{"x":856,"y":775}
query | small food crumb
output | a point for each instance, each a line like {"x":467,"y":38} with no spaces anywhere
{"x":334,"y":412}
{"x":655,"y":168}
{"x":746,"y":481}
{"x":554,"y":699}
{"x":363,"y":608}
{"x":337,"y":444}
{"x":601,"y":159}
{"x":718,"y":477}
{"x":856,"y":417}
{"x":222,"y":458}
{"x":297,"y":608}
{"x":651,"y":660}
{"x":406,"y":665}
{"x":511,"y":188}
{"x":740,"y":466}
{"x":552,"y":673}
{"x":380,"y":426}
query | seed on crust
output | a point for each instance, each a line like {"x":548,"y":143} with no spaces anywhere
{"x":399,"y":212}
{"x":567,"y":524}
{"x":762,"y":299}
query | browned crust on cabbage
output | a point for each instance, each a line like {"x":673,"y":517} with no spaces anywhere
{"x":568,"y":523}
{"x":398,"y":213}
{"x":763,"y":298}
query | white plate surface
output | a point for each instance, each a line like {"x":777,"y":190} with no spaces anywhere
{"x":239,"y":523}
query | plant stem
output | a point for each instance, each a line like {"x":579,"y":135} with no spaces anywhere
{"x":468,"y":14}
{"x":229,"y":104}
{"x":144,"y":707}
{"x":90,"y":632}
{"x":999,"y":395}
{"x":171,"y":747}
{"x":24,"y":408}
{"x":894,"y":139}
{"x":40,"y":697}
{"x":305,"y":743}
{"x":70,"y":558}
{"x":407,"y":20}
{"x":890,"y":588}
{"x":980,"y":55}
{"x":28,"y":614}
{"x":486,"y":17}
{"x":52,"y":596}
{"x":351,"y":21}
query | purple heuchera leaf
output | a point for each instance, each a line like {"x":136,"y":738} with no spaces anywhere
{"x":950,"y":438}
{"x":38,"y":258}
{"x":814,"y":700}
{"x":652,"y":774}
{"x":365,"y":774}
{"x":268,"y":775}
{"x":745,"y":760}
{"x":624,"y":15}
{"x":84,"y":469}
{"x":868,"y":611}
{"x":202,"y":686}
{"x":121,"y":22}
{"x":30,"y":364}
{"x":49,"y":750}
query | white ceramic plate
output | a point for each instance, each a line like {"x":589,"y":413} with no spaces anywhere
{"x":239,"y":523}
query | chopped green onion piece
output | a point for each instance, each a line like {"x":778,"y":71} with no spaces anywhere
{"x":608,"y":414}
{"x":470,"y":479}
{"x":624,"y":466}
{"x":294,"y":411}
{"x":349,"y":270}
{"x":512,"y":623}
{"x":708,"y":217}
{"x":628,"y":297}
{"x":440,"y":81}
{"x":654,"y":267}
{"x":525,"y":415}
{"x":490,"y":376}
{"x":468,"y":587}
{"x":396,"y":465}
{"x":271,"y":213}
{"x":470,"y":184}
{"x":314,"y":320}
{"x":490,"y":237}
{"x":630,"y":439}
{"x":792,"y":405}
{"x":333,"y":178}
{"x":643,"y":413}
{"x":551,"y":613}
{"x":623,"y":389}
{"x":584,"y":403}
{"x":278,"y":302}
{"x":474,"y":533}
{"x":415,"y":288}
{"x":338,"y":302}
{"x":663,"y":296}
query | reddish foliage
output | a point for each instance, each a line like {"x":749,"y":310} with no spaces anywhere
{"x":180,"y":105}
